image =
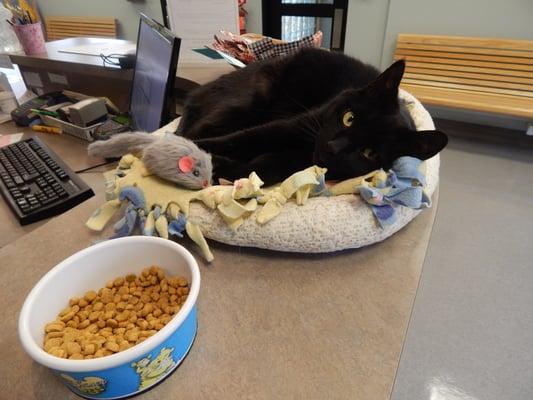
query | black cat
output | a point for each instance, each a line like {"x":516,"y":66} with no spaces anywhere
{"x":280,"y":116}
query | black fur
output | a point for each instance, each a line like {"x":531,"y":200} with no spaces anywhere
{"x":280,"y":116}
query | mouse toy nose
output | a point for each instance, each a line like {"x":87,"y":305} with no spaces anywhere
{"x":205,"y":183}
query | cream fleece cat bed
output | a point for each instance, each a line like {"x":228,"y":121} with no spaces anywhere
{"x":323,"y":224}
{"x":318,"y":224}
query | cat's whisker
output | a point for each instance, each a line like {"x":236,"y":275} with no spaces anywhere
{"x":309,"y":129}
{"x":307,"y":109}
{"x":311,"y":124}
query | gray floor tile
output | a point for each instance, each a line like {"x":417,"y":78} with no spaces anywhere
{"x":471,"y":331}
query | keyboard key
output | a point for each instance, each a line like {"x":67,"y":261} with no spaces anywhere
{"x":29,"y":177}
{"x":22,"y":202}
{"x":49,"y":200}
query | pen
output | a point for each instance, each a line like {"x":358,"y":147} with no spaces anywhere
{"x":44,"y":112}
{"x":46,"y":129}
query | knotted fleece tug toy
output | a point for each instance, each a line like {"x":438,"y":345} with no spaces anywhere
{"x":157,"y":207}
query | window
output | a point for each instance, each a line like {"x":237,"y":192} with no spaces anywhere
{"x":291,"y":20}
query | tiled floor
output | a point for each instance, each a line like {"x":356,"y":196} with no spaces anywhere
{"x":471,"y":332}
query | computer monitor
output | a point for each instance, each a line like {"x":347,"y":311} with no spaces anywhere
{"x":151,"y":104}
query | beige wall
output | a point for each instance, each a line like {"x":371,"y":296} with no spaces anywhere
{"x":254,"y":22}
{"x":125,"y":11}
{"x":365,"y":29}
{"x":487,"y":18}
{"x":373,"y":25}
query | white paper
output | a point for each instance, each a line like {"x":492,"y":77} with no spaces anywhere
{"x":58,"y":78}
{"x":231,"y":60}
{"x":197,"y":21}
{"x":95,"y":49}
{"x":10,"y":139}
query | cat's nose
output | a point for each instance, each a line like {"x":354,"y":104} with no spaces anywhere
{"x":205,"y":183}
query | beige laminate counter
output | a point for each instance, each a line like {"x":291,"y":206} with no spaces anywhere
{"x":271,"y":325}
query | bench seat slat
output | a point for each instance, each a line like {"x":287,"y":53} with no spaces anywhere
{"x":490,"y":43}
{"x":473,"y":88}
{"x":497,"y":84}
{"x":91,"y":30}
{"x":465,"y":56}
{"x":464,"y":49}
{"x":464,"y":99}
{"x":478,"y":71}
{"x":461,"y":74}
{"x":458,"y":62}
{"x":83,"y":28}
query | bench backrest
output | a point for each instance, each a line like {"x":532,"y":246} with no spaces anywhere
{"x":498,"y":66}
{"x":66,"y":27}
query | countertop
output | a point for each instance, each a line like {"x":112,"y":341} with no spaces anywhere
{"x":271,"y":325}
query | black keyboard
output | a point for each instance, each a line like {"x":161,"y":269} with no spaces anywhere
{"x":36,"y":183}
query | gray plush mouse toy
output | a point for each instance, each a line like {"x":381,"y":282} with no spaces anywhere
{"x":171,"y":157}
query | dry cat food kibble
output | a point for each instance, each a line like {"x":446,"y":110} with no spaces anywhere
{"x":124,"y":313}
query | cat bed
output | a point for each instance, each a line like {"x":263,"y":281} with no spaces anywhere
{"x":322,"y":224}
{"x":301,"y":214}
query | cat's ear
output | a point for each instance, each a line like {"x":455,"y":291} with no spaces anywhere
{"x":385,"y":87}
{"x":390,"y":78}
{"x":425,"y":144}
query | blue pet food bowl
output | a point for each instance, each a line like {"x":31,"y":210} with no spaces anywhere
{"x":131,"y":371}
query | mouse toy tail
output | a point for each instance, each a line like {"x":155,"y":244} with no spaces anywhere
{"x":121,"y":144}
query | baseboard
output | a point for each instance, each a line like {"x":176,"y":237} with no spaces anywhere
{"x":485,"y":133}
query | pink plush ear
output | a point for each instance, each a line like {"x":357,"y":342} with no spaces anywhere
{"x":185,"y":164}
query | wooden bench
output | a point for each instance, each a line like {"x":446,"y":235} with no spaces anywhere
{"x":67,"y":27}
{"x":489,"y":75}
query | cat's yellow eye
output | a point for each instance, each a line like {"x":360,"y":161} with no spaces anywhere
{"x":348,"y":118}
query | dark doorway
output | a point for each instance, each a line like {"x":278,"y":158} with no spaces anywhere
{"x":293,"y":19}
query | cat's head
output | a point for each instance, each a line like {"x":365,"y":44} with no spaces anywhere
{"x":366,"y":129}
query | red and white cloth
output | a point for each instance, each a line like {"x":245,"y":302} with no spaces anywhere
{"x":250,"y":47}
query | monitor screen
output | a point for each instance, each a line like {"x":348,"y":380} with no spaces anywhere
{"x":154,"y":74}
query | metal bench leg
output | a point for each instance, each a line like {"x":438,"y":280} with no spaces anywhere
{"x":529,"y":131}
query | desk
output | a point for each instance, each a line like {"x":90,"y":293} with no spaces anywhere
{"x":86,"y":74}
{"x":271,"y":325}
